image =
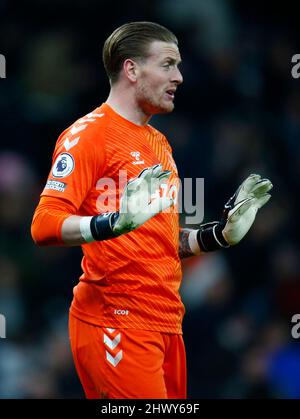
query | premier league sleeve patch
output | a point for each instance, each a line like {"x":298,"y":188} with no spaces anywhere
{"x":63,"y":165}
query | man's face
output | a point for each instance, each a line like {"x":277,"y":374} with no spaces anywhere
{"x":158,"y":78}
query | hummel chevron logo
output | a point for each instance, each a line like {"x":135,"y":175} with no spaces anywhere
{"x":114,"y":360}
{"x":112,"y":343}
{"x":95,"y":115}
{"x":75,"y":130}
{"x":90,"y":117}
{"x":69,"y":144}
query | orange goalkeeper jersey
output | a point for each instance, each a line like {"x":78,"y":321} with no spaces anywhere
{"x":131,"y":281}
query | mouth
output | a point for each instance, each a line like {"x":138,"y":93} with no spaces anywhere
{"x":171,"y":94}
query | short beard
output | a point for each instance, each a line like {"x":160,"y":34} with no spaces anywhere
{"x":148,"y":106}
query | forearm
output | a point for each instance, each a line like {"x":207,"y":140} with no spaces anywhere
{"x":47,"y":225}
{"x":205,"y":239}
{"x":186,"y":248}
{"x":54,"y":229}
{"x":54,"y":224}
{"x":71,"y":233}
{"x":78,"y":230}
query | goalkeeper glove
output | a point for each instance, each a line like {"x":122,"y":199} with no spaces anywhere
{"x":136,"y":205}
{"x":238,"y":215}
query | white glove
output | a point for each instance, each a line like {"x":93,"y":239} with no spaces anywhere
{"x":238,"y":215}
{"x":240,"y":211}
{"x":140,"y":202}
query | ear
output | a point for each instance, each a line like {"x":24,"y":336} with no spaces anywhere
{"x":131,"y":69}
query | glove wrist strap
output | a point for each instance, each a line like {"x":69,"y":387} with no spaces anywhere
{"x":210,"y":237}
{"x":102,"y":226}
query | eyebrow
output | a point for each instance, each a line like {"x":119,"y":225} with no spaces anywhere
{"x":172,"y":60}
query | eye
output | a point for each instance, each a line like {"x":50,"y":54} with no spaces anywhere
{"x":167,"y":65}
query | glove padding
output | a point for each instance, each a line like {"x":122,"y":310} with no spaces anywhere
{"x":137,"y":204}
{"x":238,"y":215}
{"x":240,"y":210}
{"x":140,"y":202}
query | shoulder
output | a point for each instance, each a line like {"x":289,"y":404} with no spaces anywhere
{"x":89,"y":128}
{"x":82,"y":142}
{"x":160,"y":136}
{"x":154,"y":130}
{"x":93,"y":122}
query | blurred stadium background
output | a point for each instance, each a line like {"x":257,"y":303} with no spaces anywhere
{"x":237,"y":112}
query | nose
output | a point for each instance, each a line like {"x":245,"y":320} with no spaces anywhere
{"x":177,"y":78}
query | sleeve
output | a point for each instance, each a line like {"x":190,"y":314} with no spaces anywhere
{"x":48,"y":219}
{"x":78,"y":162}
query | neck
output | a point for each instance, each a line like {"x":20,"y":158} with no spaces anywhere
{"x":122,"y":101}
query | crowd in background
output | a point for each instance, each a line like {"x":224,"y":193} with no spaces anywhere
{"x":237,"y":112}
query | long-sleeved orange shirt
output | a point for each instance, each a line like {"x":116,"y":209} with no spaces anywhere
{"x":131,"y":281}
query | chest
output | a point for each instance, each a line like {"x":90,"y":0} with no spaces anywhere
{"x":135,"y":151}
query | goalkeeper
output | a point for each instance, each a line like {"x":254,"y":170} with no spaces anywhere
{"x":112,"y":189}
